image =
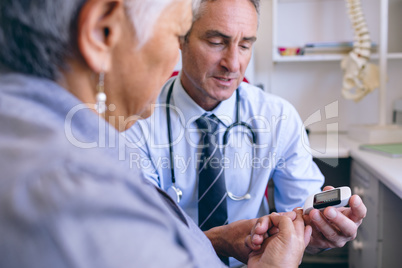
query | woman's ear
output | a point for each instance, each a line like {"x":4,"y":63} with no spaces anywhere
{"x":99,"y":31}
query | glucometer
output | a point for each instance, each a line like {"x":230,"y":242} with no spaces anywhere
{"x":338,"y":197}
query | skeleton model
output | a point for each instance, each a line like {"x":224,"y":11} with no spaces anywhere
{"x":360,"y":77}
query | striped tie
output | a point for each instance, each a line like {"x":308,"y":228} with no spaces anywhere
{"x":212,"y":207}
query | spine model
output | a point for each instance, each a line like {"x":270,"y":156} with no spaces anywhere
{"x":360,"y":77}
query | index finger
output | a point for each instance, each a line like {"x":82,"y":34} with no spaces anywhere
{"x":299,"y":222}
{"x":301,"y":228}
{"x":258,"y":233}
{"x":284,"y":224}
{"x":264,"y":224}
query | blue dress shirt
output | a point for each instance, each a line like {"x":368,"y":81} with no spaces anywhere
{"x":282,"y":152}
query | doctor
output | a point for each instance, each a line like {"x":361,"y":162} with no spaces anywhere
{"x":215,"y":139}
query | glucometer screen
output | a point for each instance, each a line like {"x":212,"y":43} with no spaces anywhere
{"x":328,"y":198}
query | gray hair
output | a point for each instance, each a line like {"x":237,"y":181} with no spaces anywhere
{"x":198,"y":11}
{"x":37,"y":36}
{"x":200,"y":8}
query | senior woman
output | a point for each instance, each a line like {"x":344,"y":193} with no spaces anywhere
{"x":74,"y":74}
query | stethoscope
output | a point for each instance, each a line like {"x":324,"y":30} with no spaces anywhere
{"x":238,"y":123}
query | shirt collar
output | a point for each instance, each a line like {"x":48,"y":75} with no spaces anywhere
{"x":189,"y":110}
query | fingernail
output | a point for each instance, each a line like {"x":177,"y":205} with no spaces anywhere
{"x":254,"y":237}
{"x":357,"y":202}
{"x":331,"y":213}
{"x":317,"y":217}
{"x":258,"y":225}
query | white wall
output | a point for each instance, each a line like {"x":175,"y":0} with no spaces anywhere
{"x":310,"y":86}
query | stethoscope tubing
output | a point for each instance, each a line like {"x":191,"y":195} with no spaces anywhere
{"x":177,"y":190}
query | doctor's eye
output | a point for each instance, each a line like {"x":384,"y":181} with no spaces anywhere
{"x":245,"y":46}
{"x":215,"y":43}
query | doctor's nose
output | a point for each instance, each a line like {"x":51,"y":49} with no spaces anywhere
{"x":230,"y":60}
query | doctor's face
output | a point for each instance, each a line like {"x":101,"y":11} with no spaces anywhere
{"x":217,"y":50}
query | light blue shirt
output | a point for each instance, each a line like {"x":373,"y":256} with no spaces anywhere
{"x":282,"y":152}
{"x":67,"y":201}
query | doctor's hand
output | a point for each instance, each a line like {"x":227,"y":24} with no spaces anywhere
{"x":285,"y":244}
{"x":229,"y":240}
{"x":334,"y":227}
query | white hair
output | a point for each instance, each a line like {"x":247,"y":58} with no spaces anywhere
{"x":145,"y":13}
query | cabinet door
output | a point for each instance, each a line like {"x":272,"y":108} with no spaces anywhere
{"x":363,"y":251}
{"x":390,"y":224}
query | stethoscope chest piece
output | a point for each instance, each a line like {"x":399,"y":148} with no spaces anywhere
{"x":175,"y":193}
{"x":239,"y":198}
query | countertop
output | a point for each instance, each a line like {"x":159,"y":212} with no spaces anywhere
{"x":388,"y":170}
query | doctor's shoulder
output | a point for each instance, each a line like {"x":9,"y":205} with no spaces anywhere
{"x":265,"y":104}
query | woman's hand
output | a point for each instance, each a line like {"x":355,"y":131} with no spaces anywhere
{"x":285,"y":244}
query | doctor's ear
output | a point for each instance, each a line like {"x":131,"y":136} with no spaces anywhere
{"x":182,"y":40}
{"x":99,"y":31}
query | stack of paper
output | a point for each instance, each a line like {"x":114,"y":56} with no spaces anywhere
{"x":331,"y":47}
{"x":390,"y":149}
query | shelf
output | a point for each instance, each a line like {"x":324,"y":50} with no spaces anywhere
{"x":394,"y":56}
{"x":305,"y":1}
{"x":325,"y":57}
{"x":303,"y":58}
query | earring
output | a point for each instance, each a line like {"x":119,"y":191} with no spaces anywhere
{"x":101,"y":96}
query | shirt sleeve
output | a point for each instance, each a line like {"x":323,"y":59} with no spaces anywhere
{"x":138,"y":138}
{"x":62,"y":205}
{"x":296,"y":176}
{"x":69,"y":217}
